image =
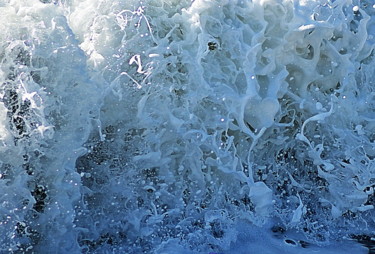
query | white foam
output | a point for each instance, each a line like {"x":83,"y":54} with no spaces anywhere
{"x":130,"y":126}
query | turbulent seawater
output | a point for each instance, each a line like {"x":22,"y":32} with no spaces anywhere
{"x":178,"y":126}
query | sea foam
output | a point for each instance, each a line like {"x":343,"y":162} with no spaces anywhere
{"x":186,"y":126}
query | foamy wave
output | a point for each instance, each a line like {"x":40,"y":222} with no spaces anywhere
{"x":163,"y":126}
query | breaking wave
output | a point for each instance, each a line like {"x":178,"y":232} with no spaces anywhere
{"x":167,"y":126}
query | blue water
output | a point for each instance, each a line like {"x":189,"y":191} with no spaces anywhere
{"x":167,"y":126}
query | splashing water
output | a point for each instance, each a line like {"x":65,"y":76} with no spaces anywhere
{"x":187,"y":126}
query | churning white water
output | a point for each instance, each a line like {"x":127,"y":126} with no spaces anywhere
{"x":179,"y":126}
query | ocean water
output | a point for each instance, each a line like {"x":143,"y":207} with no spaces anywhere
{"x":187,"y":126}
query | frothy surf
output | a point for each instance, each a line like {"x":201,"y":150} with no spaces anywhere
{"x":187,"y":126}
